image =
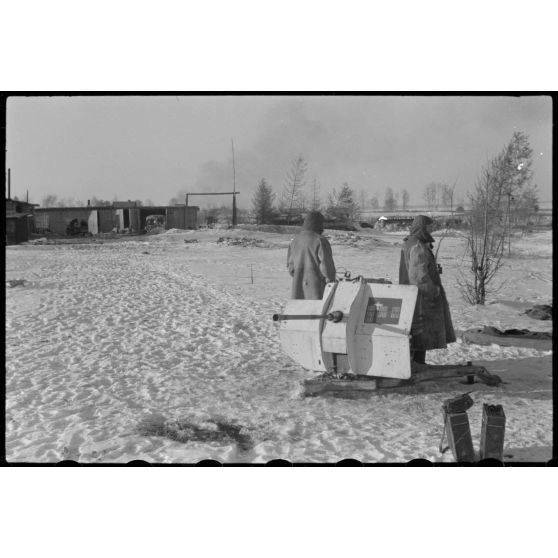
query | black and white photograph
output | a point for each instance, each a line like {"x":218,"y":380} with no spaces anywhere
{"x":303,"y":278}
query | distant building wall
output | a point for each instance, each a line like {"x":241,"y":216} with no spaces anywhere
{"x":182,"y":217}
{"x":119,"y":216}
{"x":107,"y":220}
{"x":56,"y":219}
{"x":191,"y":217}
{"x":135,"y":220}
{"x":41,"y":222}
{"x":124,"y":204}
{"x":176,"y":218}
{"x":93,"y":222}
{"x":102,"y":219}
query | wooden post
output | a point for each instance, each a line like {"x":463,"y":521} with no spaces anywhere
{"x":234,"y":188}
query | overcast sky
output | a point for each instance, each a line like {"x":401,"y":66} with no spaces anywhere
{"x":156,"y":148}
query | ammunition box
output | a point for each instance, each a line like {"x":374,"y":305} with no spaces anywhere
{"x":459,"y":436}
{"x":492,"y":432}
{"x":458,"y":404}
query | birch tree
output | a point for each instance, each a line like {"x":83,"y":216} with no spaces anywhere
{"x":294,"y":185}
{"x":488,"y":225}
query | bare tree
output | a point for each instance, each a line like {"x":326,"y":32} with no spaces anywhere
{"x":505,"y":179}
{"x":374,"y":203}
{"x":459,"y":201}
{"x":430,"y":194}
{"x":510,"y":184}
{"x":303,"y":202}
{"x":447,"y":194}
{"x":390,"y":202}
{"x":486,"y":238}
{"x":315,"y":202}
{"x":294,"y":184}
{"x":404,"y":199}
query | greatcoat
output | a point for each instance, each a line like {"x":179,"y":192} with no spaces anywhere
{"x":310,"y":260}
{"x":432,"y":327}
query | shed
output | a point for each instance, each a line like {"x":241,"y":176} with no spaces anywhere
{"x":99,"y":219}
{"x":17,"y":228}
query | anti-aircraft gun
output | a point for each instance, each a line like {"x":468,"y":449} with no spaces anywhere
{"x":358,"y":336}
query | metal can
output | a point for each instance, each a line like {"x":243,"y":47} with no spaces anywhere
{"x":492,"y":432}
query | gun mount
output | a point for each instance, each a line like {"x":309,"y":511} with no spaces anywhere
{"x":360,"y":331}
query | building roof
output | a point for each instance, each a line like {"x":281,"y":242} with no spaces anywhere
{"x":124,"y":204}
{"x":110,"y":207}
{"x":15,"y":215}
{"x":21,"y":203}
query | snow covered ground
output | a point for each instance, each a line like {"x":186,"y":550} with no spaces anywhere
{"x":108,"y":336}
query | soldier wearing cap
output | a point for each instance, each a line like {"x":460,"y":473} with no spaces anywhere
{"x":310,"y":260}
{"x":432,"y":327}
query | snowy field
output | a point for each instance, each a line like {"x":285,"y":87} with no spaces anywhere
{"x":110,"y":342}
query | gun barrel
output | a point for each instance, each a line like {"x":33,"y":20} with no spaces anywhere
{"x":282,"y":317}
{"x":335,"y":316}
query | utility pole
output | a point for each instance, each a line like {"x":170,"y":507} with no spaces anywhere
{"x":9,"y":183}
{"x":234,"y":187}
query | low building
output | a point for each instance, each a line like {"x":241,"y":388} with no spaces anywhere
{"x":104,"y":219}
{"x":57,"y":220}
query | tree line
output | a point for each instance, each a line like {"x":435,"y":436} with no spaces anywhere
{"x":299,"y":196}
{"x":502,"y":203}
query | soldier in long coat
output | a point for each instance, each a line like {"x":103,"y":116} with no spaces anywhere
{"x":309,"y":260}
{"x":432,"y":327}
